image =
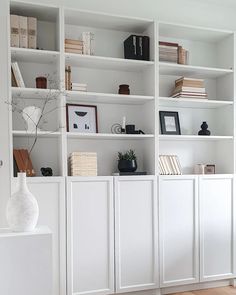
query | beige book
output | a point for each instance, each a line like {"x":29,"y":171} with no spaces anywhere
{"x":32,"y":32}
{"x":72,"y":41}
{"x":23,"y":31}
{"x":73,"y":46}
{"x":15,"y":37}
{"x":78,"y":51}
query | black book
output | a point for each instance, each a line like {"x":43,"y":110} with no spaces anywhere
{"x":145,"y":48}
{"x":129,"y":173}
{"x":130,"y":47}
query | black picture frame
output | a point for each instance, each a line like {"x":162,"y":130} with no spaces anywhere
{"x":169,"y":122}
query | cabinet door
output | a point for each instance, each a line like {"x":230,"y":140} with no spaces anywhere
{"x":136,"y":233}
{"x":50,"y":194}
{"x":216,"y":227}
{"x":90,"y":225}
{"x":178,"y":230}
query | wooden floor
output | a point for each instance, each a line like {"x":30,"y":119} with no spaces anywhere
{"x":216,"y":291}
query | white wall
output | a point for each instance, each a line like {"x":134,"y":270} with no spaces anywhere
{"x":212,"y":13}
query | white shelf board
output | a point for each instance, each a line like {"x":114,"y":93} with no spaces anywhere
{"x":108,"y":136}
{"x":195,"y":33}
{"x":33,"y":93}
{"x":173,"y":69}
{"x":164,"y":137}
{"x":106,"y":21}
{"x":34,"y":55}
{"x":23,"y":133}
{"x":108,"y":63}
{"x":109,"y":98}
{"x":193,"y":103}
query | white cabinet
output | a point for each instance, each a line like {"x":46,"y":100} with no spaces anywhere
{"x":216,"y":227}
{"x":136,"y":233}
{"x":90,"y":232}
{"x":178,"y":230}
{"x":50,"y":194}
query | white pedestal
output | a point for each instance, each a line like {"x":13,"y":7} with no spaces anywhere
{"x":26,"y":262}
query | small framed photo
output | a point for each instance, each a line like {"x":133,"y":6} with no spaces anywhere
{"x":210,"y":169}
{"x":169,"y":123}
{"x":81,"y":118}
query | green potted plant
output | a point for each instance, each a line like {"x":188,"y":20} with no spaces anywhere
{"x":127,"y":162}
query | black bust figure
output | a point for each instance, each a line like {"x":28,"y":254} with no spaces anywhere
{"x":204,"y":130}
{"x":46,"y":171}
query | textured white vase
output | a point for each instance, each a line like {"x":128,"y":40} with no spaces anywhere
{"x":31,"y":115}
{"x":22,"y":208}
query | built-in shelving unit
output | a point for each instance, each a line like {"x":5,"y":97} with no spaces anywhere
{"x":151,"y":83}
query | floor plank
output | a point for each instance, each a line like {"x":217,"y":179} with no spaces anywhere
{"x":217,"y":291}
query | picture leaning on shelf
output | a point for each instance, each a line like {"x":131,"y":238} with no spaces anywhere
{"x":169,"y":123}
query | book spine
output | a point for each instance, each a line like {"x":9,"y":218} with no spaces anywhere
{"x":23,"y":31}
{"x":22,"y":84}
{"x":32,"y":32}
{"x":14,"y":68}
{"x":15,"y":27}
{"x":146,"y":47}
{"x":13,"y":79}
{"x":69,"y":77}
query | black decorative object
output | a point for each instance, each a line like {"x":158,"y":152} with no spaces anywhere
{"x":127,"y":162}
{"x":46,"y":171}
{"x":124,"y":89}
{"x":130,"y":129}
{"x":204,"y":130}
{"x":169,"y":123}
{"x":137,"y":47}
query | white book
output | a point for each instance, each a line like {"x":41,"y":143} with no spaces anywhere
{"x":32,"y":32}
{"x":178,"y":165}
{"x":18,"y":75}
{"x":174,"y":164}
{"x":15,"y":34}
{"x":164,"y":164}
{"x":23,"y":31}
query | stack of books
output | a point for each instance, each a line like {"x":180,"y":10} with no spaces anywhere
{"x":189,"y":88}
{"x":83,"y":164}
{"x":78,"y":87}
{"x":22,"y":162}
{"x":23,"y":31}
{"x":73,"y":46}
{"x":168,"y":52}
{"x":16,"y":77}
{"x":169,"y":165}
{"x":172,"y":52}
{"x":68,"y":78}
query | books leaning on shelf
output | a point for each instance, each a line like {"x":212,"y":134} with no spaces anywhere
{"x":78,"y":87}
{"x":22,"y":162}
{"x":88,"y":43}
{"x":169,"y":165}
{"x":23,"y":31}
{"x":83,"y":164}
{"x":172,"y":52}
{"x":73,"y":46}
{"x":137,"y":47}
{"x":17,"y":79}
{"x":189,"y":88}
{"x":68,"y":78}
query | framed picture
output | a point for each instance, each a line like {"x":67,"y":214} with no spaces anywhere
{"x":169,"y":122}
{"x":81,"y":118}
{"x":210,"y":169}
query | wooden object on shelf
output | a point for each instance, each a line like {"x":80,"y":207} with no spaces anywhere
{"x":41,"y":82}
{"x":23,"y":161}
{"x":83,"y":164}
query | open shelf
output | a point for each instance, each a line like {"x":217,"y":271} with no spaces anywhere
{"x":23,"y":133}
{"x":164,"y":137}
{"x":193,"y":103}
{"x":33,"y":93}
{"x":34,"y":55}
{"x":108,"y":136}
{"x":107,"y":98}
{"x":173,"y":69}
{"x":108,"y":63}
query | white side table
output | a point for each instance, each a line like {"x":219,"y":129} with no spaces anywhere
{"x":26,"y":262}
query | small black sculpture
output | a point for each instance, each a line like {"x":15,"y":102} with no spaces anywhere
{"x":204,"y":130}
{"x":46,"y":171}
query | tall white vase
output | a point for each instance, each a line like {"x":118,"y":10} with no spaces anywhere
{"x":22,"y":208}
{"x":31,"y":115}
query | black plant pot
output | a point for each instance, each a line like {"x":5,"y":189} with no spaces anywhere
{"x":127,"y":166}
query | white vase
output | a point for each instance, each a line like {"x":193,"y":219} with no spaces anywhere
{"x":22,"y":208}
{"x":31,"y":115}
